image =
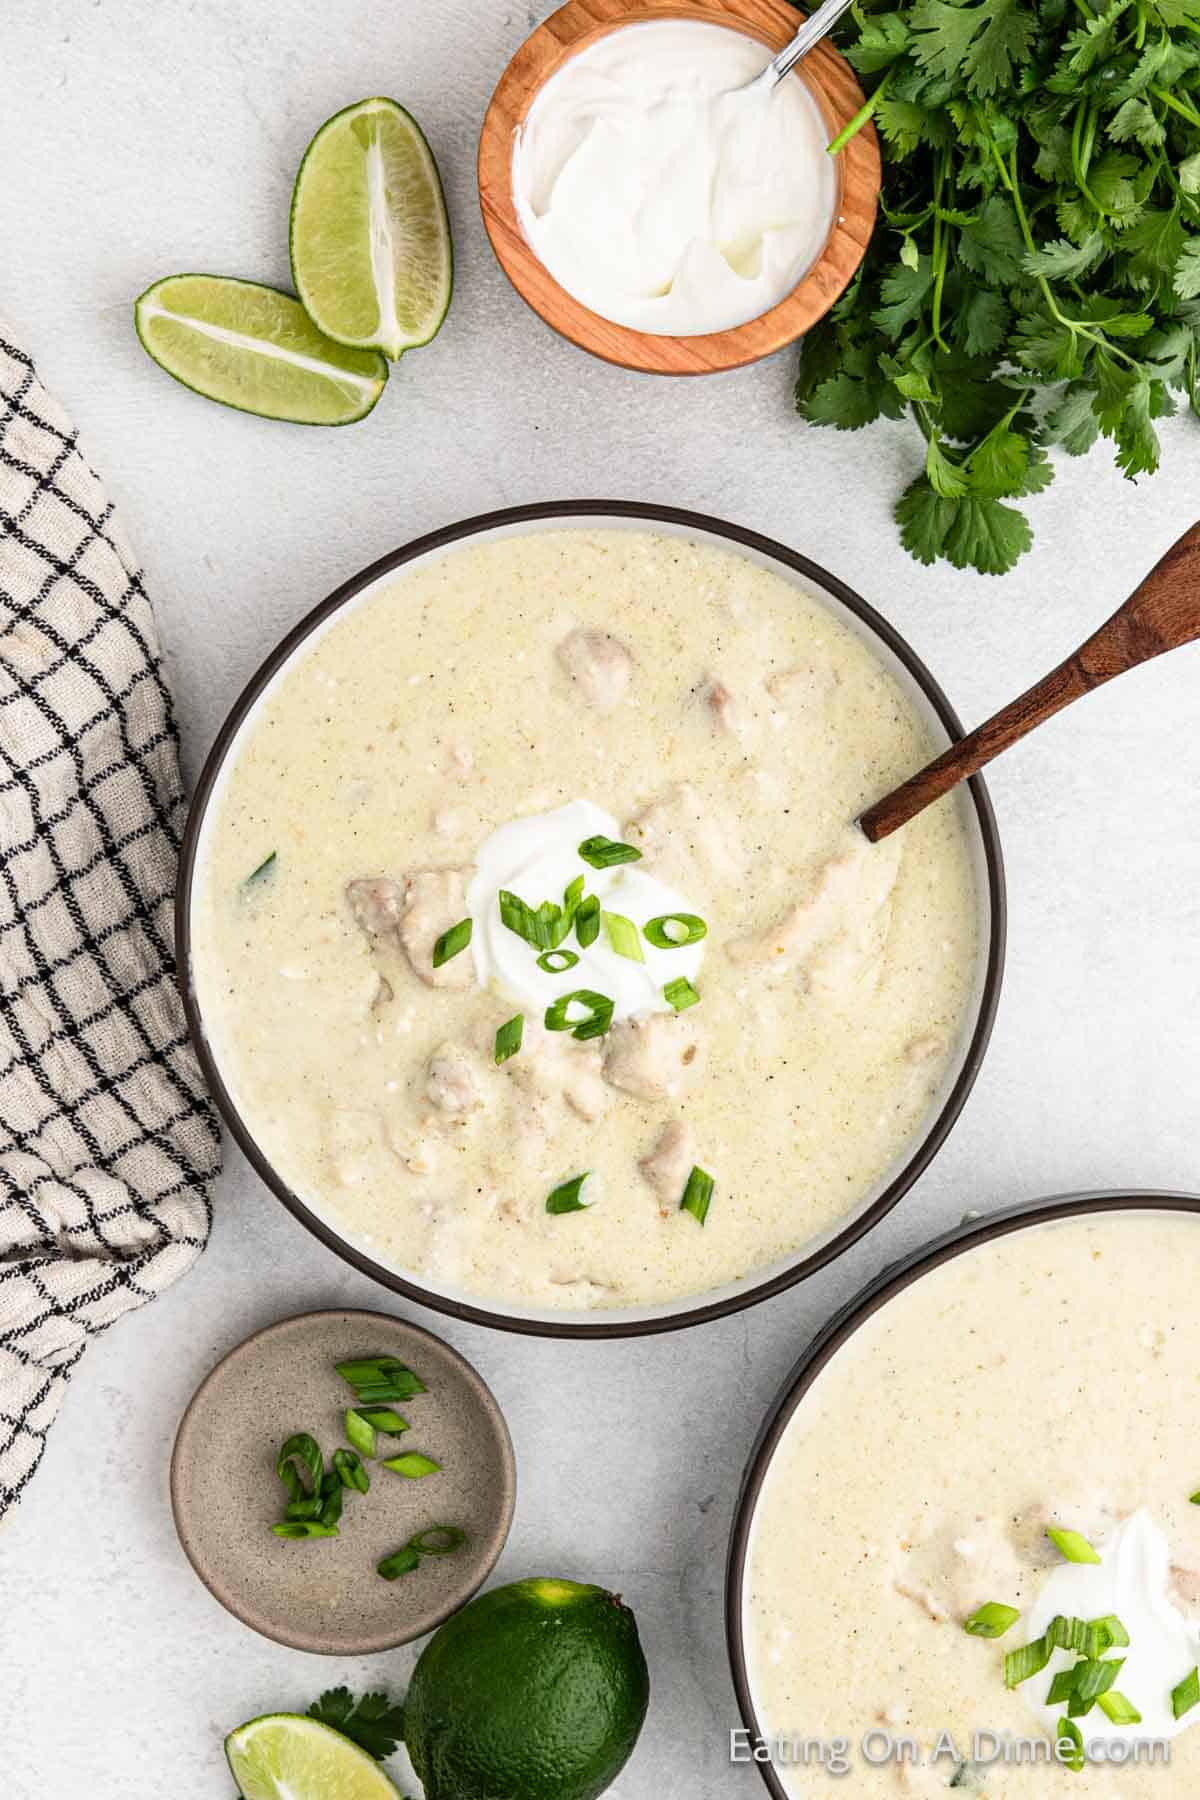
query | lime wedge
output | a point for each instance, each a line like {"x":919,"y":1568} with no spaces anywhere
{"x":370,"y":240}
{"x":283,"y":1756}
{"x":255,"y":348}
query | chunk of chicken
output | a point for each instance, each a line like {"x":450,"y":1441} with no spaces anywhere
{"x":845,"y":900}
{"x":553,"y":1068}
{"x":1185,"y":1588}
{"x":955,"y":1565}
{"x":804,"y":689}
{"x":375,"y":901}
{"x":598,"y":666}
{"x":720,"y":703}
{"x":450,"y":1082}
{"x":678,"y":829}
{"x":432,"y":902}
{"x":669,"y":1164}
{"x":652,"y":1054}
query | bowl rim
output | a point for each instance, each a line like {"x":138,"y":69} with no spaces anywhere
{"x":804,"y":1265}
{"x":858,"y":178}
{"x":892,"y":1280}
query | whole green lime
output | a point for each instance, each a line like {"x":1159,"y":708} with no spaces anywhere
{"x":535,"y":1691}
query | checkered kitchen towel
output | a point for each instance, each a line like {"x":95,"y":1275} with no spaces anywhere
{"x":108,"y":1143}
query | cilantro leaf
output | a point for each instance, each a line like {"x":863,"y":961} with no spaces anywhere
{"x":374,"y":1723}
{"x":1005,"y":42}
{"x":1187,"y":270}
{"x":1062,"y":260}
{"x":971,"y":533}
{"x":1073,"y":422}
{"x":903,"y":293}
{"x":993,"y":246}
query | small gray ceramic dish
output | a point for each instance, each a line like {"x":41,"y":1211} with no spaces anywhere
{"x":324,"y":1594}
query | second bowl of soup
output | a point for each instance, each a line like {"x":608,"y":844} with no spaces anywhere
{"x":530,"y":944}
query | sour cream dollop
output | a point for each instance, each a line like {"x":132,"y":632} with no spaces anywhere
{"x":1133,"y":1580}
{"x":660,"y":196}
{"x":537,"y":858}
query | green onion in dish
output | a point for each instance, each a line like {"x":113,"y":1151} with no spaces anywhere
{"x":449,"y":1538}
{"x":413,"y":1465}
{"x":296,"y":1529}
{"x":674,"y":931}
{"x":599,"y":1014}
{"x":1195,"y":1499}
{"x":1062,"y":1687}
{"x":361,"y":1432}
{"x":1069,"y":1732}
{"x":587,"y":922}
{"x":623,"y":936}
{"x":349,"y":1470}
{"x":532,"y":926}
{"x":1073,"y":1545}
{"x":451,"y":943}
{"x":1029,"y":1660}
{"x":567,"y":1197}
{"x":557,"y":962}
{"x":300,"y":1455}
{"x":382,"y":1418}
{"x":680,"y":994}
{"x":1110,"y":1634}
{"x":1091,"y":1680}
{"x":1118,"y":1709}
{"x":401,"y":1562}
{"x":508,"y":1038}
{"x":377,"y":1380}
{"x":264,"y":868}
{"x":992,"y":1620}
{"x":332,"y":1492}
{"x":606,"y":853}
{"x":572,"y":895}
{"x":697,"y":1194}
{"x":1186,"y":1695}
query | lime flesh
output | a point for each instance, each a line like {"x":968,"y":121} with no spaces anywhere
{"x":370,"y":240}
{"x":256,"y":349}
{"x":283,"y":1756}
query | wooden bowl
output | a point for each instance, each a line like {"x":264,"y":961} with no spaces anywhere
{"x":830,"y":80}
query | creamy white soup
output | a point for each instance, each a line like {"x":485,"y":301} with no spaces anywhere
{"x":1008,"y":1446}
{"x":600,"y":763}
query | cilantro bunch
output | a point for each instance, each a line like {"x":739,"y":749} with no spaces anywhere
{"x":1034,"y":278}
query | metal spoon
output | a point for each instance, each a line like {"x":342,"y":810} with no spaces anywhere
{"x":811,"y":32}
{"x":1161,"y":614}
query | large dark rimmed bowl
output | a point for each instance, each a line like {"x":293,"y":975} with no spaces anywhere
{"x":919,"y":684}
{"x":826,"y":1345}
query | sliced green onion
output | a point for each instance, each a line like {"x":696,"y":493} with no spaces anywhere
{"x":413,"y":1465}
{"x":401,"y":1562}
{"x":1195,"y":1499}
{"x":361,"y":1432}
{"x":623,"y":936}
{"x":566,"y":1198}
{"x":1069,"y":1732}
{"x":449,"y":1538}
{"x":311,"y":1528}
{"x":1072,"y":1545}
{"x":264,"y":866}
{"x":451,"y":942}
{"x":524,"y":921}
{"x":508,"y":1038}
{"x":587,"y":922}
{"x":697,"y":1194}
{"x":331,"y":1498}
{"x":300,"y":1454}
{"x":992,"y":1620}
{"x":1062,"y":1688}
{"x":685,"y":929}
{"x":1091,"y":1680}
{"x":557,"y":962}
{"x":599,"y":1009}
{"x":377,"y":1380}
{"x":382,"y":1418}
{"x":350,"y":1472}
{"x":553,"y":924}
{"x":1111,"y":1634}
{"x":572,"y":895}
{"x":606,"y":853}
{"x":1029,"y":1660}
{"x":302,"y":1505}
{"x":1186,"y":1695}
{"x":1118,"y":1709}
{"x":680,"y":994}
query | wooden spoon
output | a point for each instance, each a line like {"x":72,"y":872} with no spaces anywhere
{"x":1162,"y":613}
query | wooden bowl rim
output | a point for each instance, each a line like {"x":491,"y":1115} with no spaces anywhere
{"x":858,"y":179}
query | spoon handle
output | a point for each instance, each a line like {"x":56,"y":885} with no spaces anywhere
{"x":1162,"y":613}
{"x":814,"y":28}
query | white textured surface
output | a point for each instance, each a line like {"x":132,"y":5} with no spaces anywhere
{"x":137,"y":139}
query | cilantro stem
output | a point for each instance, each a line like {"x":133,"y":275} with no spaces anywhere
{"x":940,"y":251}
{"x":853,"y":126}
{"x":1185,"y":112}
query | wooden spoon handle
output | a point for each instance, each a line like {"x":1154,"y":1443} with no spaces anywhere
{"x":1162,"y":613}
